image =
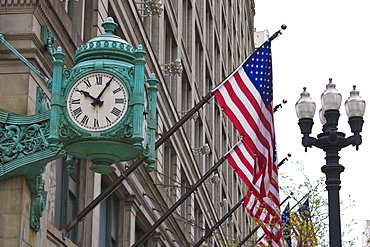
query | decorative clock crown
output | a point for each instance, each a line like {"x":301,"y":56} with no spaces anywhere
{"x":106,"y":45}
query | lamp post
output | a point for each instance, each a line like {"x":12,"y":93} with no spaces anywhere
{"x":331,"y":141}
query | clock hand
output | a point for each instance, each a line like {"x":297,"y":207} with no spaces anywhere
{"x":97,"y":101}
{"x":87,"y":94}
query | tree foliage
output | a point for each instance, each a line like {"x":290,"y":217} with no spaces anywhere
{"x":227,"y":240}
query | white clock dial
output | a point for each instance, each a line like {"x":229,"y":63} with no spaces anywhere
{"x":97,"y":101}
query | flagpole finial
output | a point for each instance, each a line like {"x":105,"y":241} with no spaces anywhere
{"x":278,"y":33}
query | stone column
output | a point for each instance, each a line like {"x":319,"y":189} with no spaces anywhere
{"x":130,"y":208}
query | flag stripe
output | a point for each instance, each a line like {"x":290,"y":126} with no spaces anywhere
{"x":241,"y":161}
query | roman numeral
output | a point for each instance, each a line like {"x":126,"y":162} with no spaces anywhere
{"x":96,"y":123}
{"x":85,"y":120}
{"x":119,"y":101}
{"x":116,"y":111}
{"x":87,"y":82}
{"x":108,"y":120}
{"x":99,"y":80}
{"x":77,"y":112}
{"x":117,"y":90}
{"x":76,"y":101}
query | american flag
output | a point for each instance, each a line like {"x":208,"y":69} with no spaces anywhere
{"x":264,"y":242}
{"x":285,"y":217}
{"x":246,"y":98}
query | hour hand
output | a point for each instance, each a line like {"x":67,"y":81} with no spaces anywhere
{"x":86,"y":94}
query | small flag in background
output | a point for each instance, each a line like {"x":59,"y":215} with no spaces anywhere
{"x":303,"y":227}
{"x":287,"y":233}
{"x":304,"y":210}
{"x":246,"y":98}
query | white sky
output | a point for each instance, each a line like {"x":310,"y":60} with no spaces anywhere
{"x":324,"y":39}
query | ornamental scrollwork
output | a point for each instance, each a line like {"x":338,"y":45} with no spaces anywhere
{"x":17,"y":141}
{"x":146,"y":145}
{"x":124,"y":132}
{"x":66,"y":73}
{"x":38,"y":201}
{"x":70,"y":75}
{"x":127,"y":73}
{"x":66,"y":132}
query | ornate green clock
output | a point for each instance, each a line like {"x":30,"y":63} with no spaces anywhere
{"x":100,"y":106}
{"x":97,"y":101}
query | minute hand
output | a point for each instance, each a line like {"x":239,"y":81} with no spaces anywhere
{"x":97,"y":101}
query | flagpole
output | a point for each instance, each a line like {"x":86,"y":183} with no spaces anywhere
{"x":210,"y":231}
{"x":278,"y":33}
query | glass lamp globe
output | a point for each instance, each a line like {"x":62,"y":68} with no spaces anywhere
{"x":305,"y":106}
{"x":322,"y":117}
{"x":355,"y":105}
{"x":331,"y":99}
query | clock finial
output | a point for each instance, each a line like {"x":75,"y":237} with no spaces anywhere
{"x":109,"y":25}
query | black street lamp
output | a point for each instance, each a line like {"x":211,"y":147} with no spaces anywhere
{"x":331,"y":141}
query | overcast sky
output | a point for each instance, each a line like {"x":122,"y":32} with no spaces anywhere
{"x":324,"y":39}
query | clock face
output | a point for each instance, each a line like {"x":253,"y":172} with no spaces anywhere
{"x":97,"y":101}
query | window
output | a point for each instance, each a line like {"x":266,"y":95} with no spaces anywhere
{"x":187,"y":24}
{"x":217,"y":128}
{"x":75,"y":11}
{"x":109,"y":220}
{"x":63,"y":204}
{"x":170,"y":55}
{"x":69,"y":199}
{"x":139,"y":232}
{"x":199,"y":222}
{"x":170,"y":164}
{"x":186,"y":209}
{"x":185,"y":99}
{"x":198,"y":58}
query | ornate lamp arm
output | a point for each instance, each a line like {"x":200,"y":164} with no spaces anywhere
{"x":308,"y":142}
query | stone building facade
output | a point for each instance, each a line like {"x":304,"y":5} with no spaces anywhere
{"x":210,"y":38}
